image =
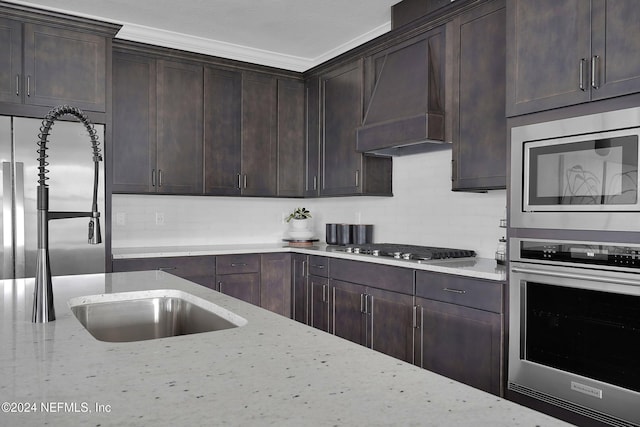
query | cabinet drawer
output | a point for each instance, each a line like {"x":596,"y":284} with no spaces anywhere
{"x":244,"y":263}
{"x":187,"y":266}
{"x":318,"y":266}
{"x":397,"y":279}
{"x":475,"y":293}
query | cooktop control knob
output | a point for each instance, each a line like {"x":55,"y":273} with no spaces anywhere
{"x":406,"y":256}
{"x":375,"y":252}
{"x":397,"y":255}
{"x":356,"y":250}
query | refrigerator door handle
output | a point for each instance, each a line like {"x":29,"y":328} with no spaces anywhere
{"x":19,"y":220}
{"x":7,"y":223}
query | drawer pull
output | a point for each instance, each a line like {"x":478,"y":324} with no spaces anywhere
{"x":318,"y":266}
{"x":455,"y":291}
{"x":166,"y":268}
{"x":238,"y":264}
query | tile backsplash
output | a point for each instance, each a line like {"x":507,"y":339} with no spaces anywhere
{"x":423,"y":211}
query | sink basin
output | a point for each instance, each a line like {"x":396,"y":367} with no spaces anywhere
{"x":146,"y":315}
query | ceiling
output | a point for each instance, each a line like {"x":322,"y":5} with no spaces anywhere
{"x":290,"y":34}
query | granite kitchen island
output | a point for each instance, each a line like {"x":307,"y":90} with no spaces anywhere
{"x":271,"y":371}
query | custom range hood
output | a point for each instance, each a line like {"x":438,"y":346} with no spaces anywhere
{"x":405,"y":109}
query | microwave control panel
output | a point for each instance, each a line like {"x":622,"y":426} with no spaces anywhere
{"x":581,"y":253}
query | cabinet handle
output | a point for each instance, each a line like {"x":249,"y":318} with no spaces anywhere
{"x":153,"y":177}
{"x":318,"y":266}
{"x":244,"y":180}
{"x":238,"y":264}
{"x":363,"y":303}
{"x":220,"y":286}
{"x":581,"y":76}
{"x":324,"y":293}
{"x":455,"y":291}
{"x":28,"y":85}
{"x":17,"y":84}
{"x":159,"y":177}
{"x":357,"y":178}
{"x":595,"y":83}
{"x":304,"y":268}
{"x":416,"y":325}
{"x":315,"y":182}
{"x":166,"y":268}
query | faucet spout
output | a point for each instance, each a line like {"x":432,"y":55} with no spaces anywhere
{"x":43,"y":307}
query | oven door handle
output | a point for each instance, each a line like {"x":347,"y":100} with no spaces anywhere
{"x":615,"y":280}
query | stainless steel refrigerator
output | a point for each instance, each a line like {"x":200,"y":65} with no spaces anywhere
{"x":70,"y":189}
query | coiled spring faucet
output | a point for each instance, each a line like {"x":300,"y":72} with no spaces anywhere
{"x":43,"y":308}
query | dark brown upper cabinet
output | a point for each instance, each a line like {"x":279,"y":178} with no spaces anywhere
{"x":476,"y":41}
{"x":567,"y":52}
{"x":157,"y":136}
{"x":291,"y":138}
{"x":344,"y":171}
{"x":312,"y":146}
{"x":134,"y":122}
{"x":62,"y":61}
{"x":222,"y":131}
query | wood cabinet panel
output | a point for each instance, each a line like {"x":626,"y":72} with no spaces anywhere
{"x":275,"y":283}
{"x":259,"y":139}
{"x":240,"y":263}
{"x":474,"y":293}
{"x":318,"y":266}
{"x":244,"y":286}
{"x":319,"y":298}
{"x":180,"y":141}
{"x":64,"y":66}
{"x":478,"y":41}
{"x":134,"y":122}
{"x":312,"y":146}
{"x":391,"y":329}
{"x":462,"y":343}
{"x":291,"y":138}
{"x":342,"y":114}
{"x":198,"y":269}
{"x":397,"y":279}
{"x":222,"y":131}
{"x":348,"y":319}
{"x":10,"y":60}
{"x":300,"y":289}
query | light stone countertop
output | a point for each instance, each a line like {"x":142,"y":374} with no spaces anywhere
{"x":481,"y":268}
{"x":272,"y":371}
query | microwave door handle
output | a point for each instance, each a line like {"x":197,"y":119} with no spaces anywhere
{"x":587,"y":277}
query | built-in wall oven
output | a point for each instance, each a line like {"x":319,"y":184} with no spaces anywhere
{"x":574,"y":326}
{"x":579,"y":173}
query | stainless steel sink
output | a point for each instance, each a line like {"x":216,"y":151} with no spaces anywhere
{"x":146,"y":315}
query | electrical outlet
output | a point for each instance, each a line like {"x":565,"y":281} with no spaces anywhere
{"x":121,"y":219}
{"x":159,"y":218}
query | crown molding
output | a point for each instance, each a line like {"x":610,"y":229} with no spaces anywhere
{"x":236,"y":52}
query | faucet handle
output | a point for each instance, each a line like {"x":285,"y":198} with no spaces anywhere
{"x":95,"y":237}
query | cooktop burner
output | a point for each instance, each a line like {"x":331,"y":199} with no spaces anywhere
{"x":408,"y":252}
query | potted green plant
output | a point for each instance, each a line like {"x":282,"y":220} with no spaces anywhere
{"x":299,"y":223}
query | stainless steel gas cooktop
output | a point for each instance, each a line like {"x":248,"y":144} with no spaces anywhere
{"x":406,"y":252}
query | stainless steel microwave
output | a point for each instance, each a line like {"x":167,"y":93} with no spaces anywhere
{"x":578,"y":173}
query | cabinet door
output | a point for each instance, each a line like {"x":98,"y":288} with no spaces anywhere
{"x":291,"y":130}
{"x":341,"y":115}
{"x":391,"y":324}
{"x":300,"y":288}
{"x":478,"y":40}
{"x":134,"y":123}
{"x":319,"y":299}
{"x":259,"y":144}
{"x":349,"y":319}
{"x":615,"y":47}
{"x":180,"y":142}
{"x":312,"y":154}
{"x":462,"y":343}
{"x":64,"y":67}
{"x":10,"y":61}
{"x":222,"y":131}
{"x":275,"y":283}
{"x":245,"y":286}
{"x":548,"y":45}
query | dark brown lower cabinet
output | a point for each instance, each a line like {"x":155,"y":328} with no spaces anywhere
{"x":319,"y":302}
{"x":459,"y":332}
{"x":198,"y":269}
{"x":379,"y":319}
{"x":300,"y":289}
{"x":244,"y":286}
{"x":275,"y":283}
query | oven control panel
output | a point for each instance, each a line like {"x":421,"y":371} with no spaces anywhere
{"x":581,"y":253}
